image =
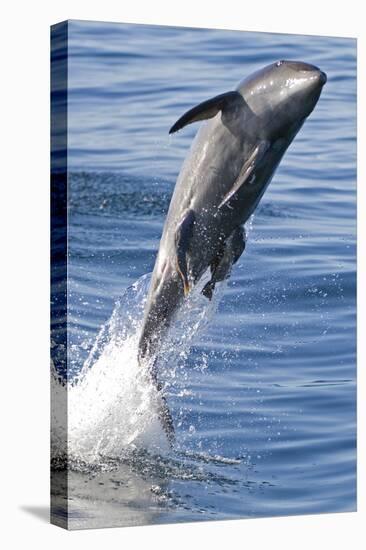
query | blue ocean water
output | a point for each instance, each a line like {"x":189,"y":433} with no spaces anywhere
{"x":264,"y":403}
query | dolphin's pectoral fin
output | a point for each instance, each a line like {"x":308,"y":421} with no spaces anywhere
{"x":209,"y":109}
{"x":208,"y":289}
{"x":226,"y":257}
{"x":247,"y":173}
{"x":183,"y":236}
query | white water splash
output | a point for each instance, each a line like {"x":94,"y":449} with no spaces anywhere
{"x":111,"y":407}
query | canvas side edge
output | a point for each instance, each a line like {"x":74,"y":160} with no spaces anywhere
{"x":58,"y":329}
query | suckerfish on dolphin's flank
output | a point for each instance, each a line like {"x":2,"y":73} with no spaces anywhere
{"x":228,"y":168}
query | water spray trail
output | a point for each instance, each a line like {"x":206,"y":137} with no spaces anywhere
{"x":112,"y":404}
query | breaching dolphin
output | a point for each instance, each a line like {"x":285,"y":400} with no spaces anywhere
{"x":230,"y":164}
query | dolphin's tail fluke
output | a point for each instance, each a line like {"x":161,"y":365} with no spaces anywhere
{"x":166,"y":419}
{"x":165,"y":296}
{"x":163,"y":411}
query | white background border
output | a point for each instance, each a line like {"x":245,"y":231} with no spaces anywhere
{"x":25,"y":270}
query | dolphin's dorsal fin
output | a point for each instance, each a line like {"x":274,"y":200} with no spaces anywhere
{"x":209,"y":109}
{"x":247,"y":173}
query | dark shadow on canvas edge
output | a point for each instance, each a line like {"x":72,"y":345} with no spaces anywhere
{"x":40,"y":512}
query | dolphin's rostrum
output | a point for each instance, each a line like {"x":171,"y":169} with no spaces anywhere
{"x":230,"y":164}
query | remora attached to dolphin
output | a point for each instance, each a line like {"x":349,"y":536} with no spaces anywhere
{"x":230,"y":164}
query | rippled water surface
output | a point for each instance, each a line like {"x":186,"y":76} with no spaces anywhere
{"x":264,"y":399}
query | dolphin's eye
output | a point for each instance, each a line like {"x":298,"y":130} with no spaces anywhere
{"x":279,"y":63}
